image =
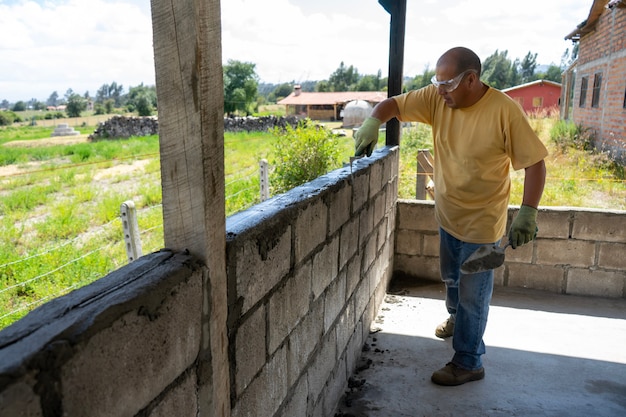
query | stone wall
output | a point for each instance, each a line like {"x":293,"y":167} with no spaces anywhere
{"x":125,"y":127}
{"x":258,"y":124}
{"x":577,"y":251}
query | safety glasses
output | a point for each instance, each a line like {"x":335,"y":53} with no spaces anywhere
{"x":450,"y":85}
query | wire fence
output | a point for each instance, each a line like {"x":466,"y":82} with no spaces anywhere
{"x":237,"y":184}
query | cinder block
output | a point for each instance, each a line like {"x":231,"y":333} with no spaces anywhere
{"x":360,"y":190}
{"x":594,"y":282}
{"x":112,"y":374}
{"x":348,"y":241}
{"x":431,"y":245}
{"x":353,"y":274}
{"x":612,"y":256}
{"x":179,"y":401}
{"x":325,"y":267}
{"x":379,"y":208}
{"x":289,"y":305}
{"x":250,"y":351}
{"x":418,"y":266}
{"x":539,"y":277}
{"x":553,"y":223}
{"x":297,"y":404}
{"x":335,"y":387}
{"x":408,"y":242}
{"x":310,"y":229}
{"x":303,"y":340}
{"x":376,"y":178}
{"x":266,"y":392}
{"x":261,"y":264}
{"x":600,"y":225}
{"x":322,"y":366}
{"x":521,"y":253}
{"x":345,"y":327}
{"x":19,"y":399}
{"x":366,"y":224}
{"x":414,"y":215}
{"x":565,"y":252}
{"x":334,"y":300}
{"x":339,"y":207}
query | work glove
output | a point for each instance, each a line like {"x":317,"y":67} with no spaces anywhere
{"x":366,"y":137}
{"x":524,"y":226}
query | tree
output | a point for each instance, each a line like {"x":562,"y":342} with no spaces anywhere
{"x":19,"y":106}
{"x":553,"y":73}
{"x":422,"y":80}
{"x":528,"y":66}
{"x":113,"y":91}
{"x":499,"y":72}
{"x":4,"y":104}
{"x":53,"y":99}
{"x":344,"y":78}
{"x":240,"y":87}
{"x":143,"y":99}
{"x":76,"y":104}
{"x":283,"y":91}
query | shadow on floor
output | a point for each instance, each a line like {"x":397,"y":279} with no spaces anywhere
{"x":547,"y":355}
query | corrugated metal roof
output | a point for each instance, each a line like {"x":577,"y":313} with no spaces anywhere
{"x":306,"y":98}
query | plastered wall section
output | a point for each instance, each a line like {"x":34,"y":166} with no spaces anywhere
{"x":307,"y":271}
{"x":577,"y":251}
{"x":126,"y":345}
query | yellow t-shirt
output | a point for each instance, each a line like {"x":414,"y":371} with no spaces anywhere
{"x":474,"y":148}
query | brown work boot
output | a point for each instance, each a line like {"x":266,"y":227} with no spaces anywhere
{"x":451,"y":375}
{"x":445,"y":329}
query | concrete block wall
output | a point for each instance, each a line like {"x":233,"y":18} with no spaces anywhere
{"x":307,"y":271}
{"x":577,"y":251}
{"x":126,"y":345}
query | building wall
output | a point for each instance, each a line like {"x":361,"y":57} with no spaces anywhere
{"x":548,"y":93}
{"x":604,"y":51}
{"x":577,"y":251}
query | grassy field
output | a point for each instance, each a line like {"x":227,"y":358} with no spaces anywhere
{"x":59,"y":201}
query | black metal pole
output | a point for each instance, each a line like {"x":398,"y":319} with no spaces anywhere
{"x":397,"y":10}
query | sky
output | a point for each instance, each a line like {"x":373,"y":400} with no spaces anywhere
{"x":56,"y":45}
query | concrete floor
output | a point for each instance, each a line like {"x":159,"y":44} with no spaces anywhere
{"x":547,"y":355}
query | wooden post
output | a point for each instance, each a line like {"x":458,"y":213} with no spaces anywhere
{"x":190,"y":93}
{"x":423,"y":182}
{"x":397,"y":10}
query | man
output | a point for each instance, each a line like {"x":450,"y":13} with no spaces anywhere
{"x":478,"y":132}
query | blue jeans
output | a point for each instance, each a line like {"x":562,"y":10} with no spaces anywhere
{"x":467,"y":300}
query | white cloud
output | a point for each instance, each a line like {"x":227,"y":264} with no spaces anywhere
{"x":53,"y":45}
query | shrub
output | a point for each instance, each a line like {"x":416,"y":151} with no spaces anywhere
{"x":302,"y":154}
{"x":566,"y":135}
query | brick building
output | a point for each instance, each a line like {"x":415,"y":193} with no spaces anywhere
{"x":594,"y":87}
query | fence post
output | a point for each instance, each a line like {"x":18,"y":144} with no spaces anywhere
{"x":131,"y":230}
{"x":263,"y":180}
{"x":423,"y":182}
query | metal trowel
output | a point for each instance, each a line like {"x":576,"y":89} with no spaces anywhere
{"x":484,"y":258}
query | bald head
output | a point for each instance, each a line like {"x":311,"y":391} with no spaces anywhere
{"x":461,"y":59}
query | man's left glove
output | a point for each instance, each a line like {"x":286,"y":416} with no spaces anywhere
{"x":524,"y":226}
{"x":366,"y":138}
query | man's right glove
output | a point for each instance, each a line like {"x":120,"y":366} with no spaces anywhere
{"x":524,"y":226}
{"x":366,"y":138}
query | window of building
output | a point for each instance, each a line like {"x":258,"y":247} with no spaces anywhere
{"x":624,"y":99}
{"x":583,"y":91}
{"x":537,"y":101}
{"x":520,"y":100}
{"x":597,"y":83}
